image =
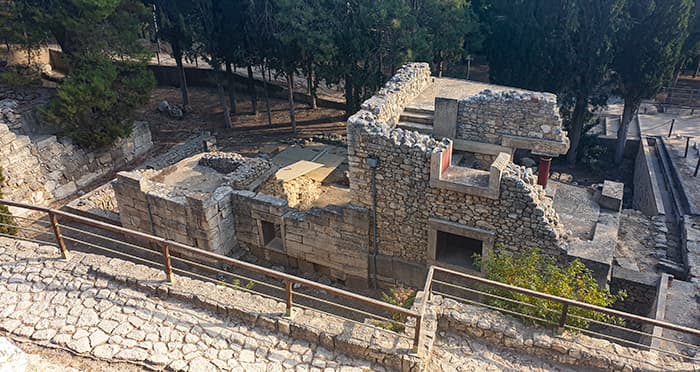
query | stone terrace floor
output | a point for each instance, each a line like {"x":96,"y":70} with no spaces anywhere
{"x":58,"y":304}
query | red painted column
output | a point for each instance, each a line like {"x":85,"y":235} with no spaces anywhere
{"x":543,"y":173}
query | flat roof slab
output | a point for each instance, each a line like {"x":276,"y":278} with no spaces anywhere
{"x":452,"y":88}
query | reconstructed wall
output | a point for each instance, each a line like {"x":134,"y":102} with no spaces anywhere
{"x":333,"y":240}
{"x":521,"y":217}
{"x":202,"y":220}
{"x":491,"y":117}
{"x":647,"y":197}
{"x":42,"y":169}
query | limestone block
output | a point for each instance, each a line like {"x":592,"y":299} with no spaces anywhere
{"x":611,"y":196}
{"x":65,"y":190}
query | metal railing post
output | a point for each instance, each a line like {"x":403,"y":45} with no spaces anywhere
{"x":687,"y":144}
{"x":288,"y":297}
{"x":564,"y":313}
{"x":416,"y":333}
{"x":165,"y":249}
{"x":697,"y":166}
{"x":59,"y":237}
{"x":670,"y":130}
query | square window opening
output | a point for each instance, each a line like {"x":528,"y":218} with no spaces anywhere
{"x":457,"y":250}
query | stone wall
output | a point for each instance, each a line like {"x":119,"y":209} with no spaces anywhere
{"x":493,"y":117}
{"x":574,"y":349}
{"x":333,"y":240}
{"x":42,"y":169}
{"x":202,"y":220}
{"x":521,"y":217}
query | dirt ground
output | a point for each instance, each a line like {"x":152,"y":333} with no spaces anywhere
{"x":250,"y":133}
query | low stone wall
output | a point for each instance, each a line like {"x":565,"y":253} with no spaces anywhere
{"x":647,"y":194}
{"x":496,"y":117}
{"x":576,"y":350}
{"x":690,"y":245}
{"x":42,"y":169}
{"x":333,"y":241}
{"x":408,"y":82}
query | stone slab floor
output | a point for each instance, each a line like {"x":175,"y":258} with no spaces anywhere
{"x":47,"y":302}
{"x":454,"y":352}
{"x":57,"y":303}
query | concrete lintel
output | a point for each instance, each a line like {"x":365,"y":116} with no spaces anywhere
{"x":535,"y":144}
{"x":481,"y":148}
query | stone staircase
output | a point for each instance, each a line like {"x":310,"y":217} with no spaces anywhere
{"x":418,"y":119}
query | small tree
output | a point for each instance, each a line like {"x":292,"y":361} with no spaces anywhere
{"x":7,"y":223}
{"x":541,"y":273}
{"x":93,"y":106}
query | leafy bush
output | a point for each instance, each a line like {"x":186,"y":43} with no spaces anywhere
{"x":541,"y":273}
{"x":592,"y":153}
{"x":16,"y":80}
{"x":94,"y":105}
{"x":400,"y":296}
{"x":7,"y":223}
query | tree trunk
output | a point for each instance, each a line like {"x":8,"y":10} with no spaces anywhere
{"x":177,"y":53}
{"x":227,"y":114}
{"x":267,"y":98}
{"x":628,"y":112}
{"x":697,"y":69}
{"x":312,"y":87}
{"x":576,"y":129}
{"x":251,"y":90}
{"x":290,"y":93}
{"x":348,"y":96}
{"x":231,"y":87}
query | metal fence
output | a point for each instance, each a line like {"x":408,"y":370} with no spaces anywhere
{"x":65,"y":229}
{"x":62,"y":229}
{"x":565,"y":313}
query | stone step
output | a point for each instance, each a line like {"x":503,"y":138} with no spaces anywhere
{"x":417,"y":118}
{"x":418,"y":110}
{"x":672,"y":268}
{"x":420,"y":128}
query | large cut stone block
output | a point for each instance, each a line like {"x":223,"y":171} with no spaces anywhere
{"x":611,"y":196}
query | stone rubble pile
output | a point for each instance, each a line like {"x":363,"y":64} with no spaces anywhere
{"x":9,"y":114}
{"x":240,"y":171}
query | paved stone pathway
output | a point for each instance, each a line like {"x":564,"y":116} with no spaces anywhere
{"x":58,"y":303}
{"x":453,"y":352}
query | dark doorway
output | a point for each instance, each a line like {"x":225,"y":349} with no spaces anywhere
{"x":272,"y":235}
{"x":457,"y":250}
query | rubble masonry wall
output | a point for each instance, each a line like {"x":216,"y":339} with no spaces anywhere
{"x":521,"y":218}
{"x":488,"y":116}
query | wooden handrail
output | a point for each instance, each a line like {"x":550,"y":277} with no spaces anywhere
{"x":570,"y":302}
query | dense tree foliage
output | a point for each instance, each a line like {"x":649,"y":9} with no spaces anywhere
{"x":108,"y":78}
{"x":582,"y":50}
{"x":647,"y":53}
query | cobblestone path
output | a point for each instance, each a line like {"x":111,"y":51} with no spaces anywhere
{"x":58,"y":303}
{"x":453,"y":352}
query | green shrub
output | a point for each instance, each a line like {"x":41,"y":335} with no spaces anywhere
{"x":402,"y":297}
{"x":16,"y":80}
{"x":95,"y":104}
{"x":541,"y":273}
{"x":7,"y":223}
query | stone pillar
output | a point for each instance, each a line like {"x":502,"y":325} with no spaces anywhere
{"x":543,"y":174}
